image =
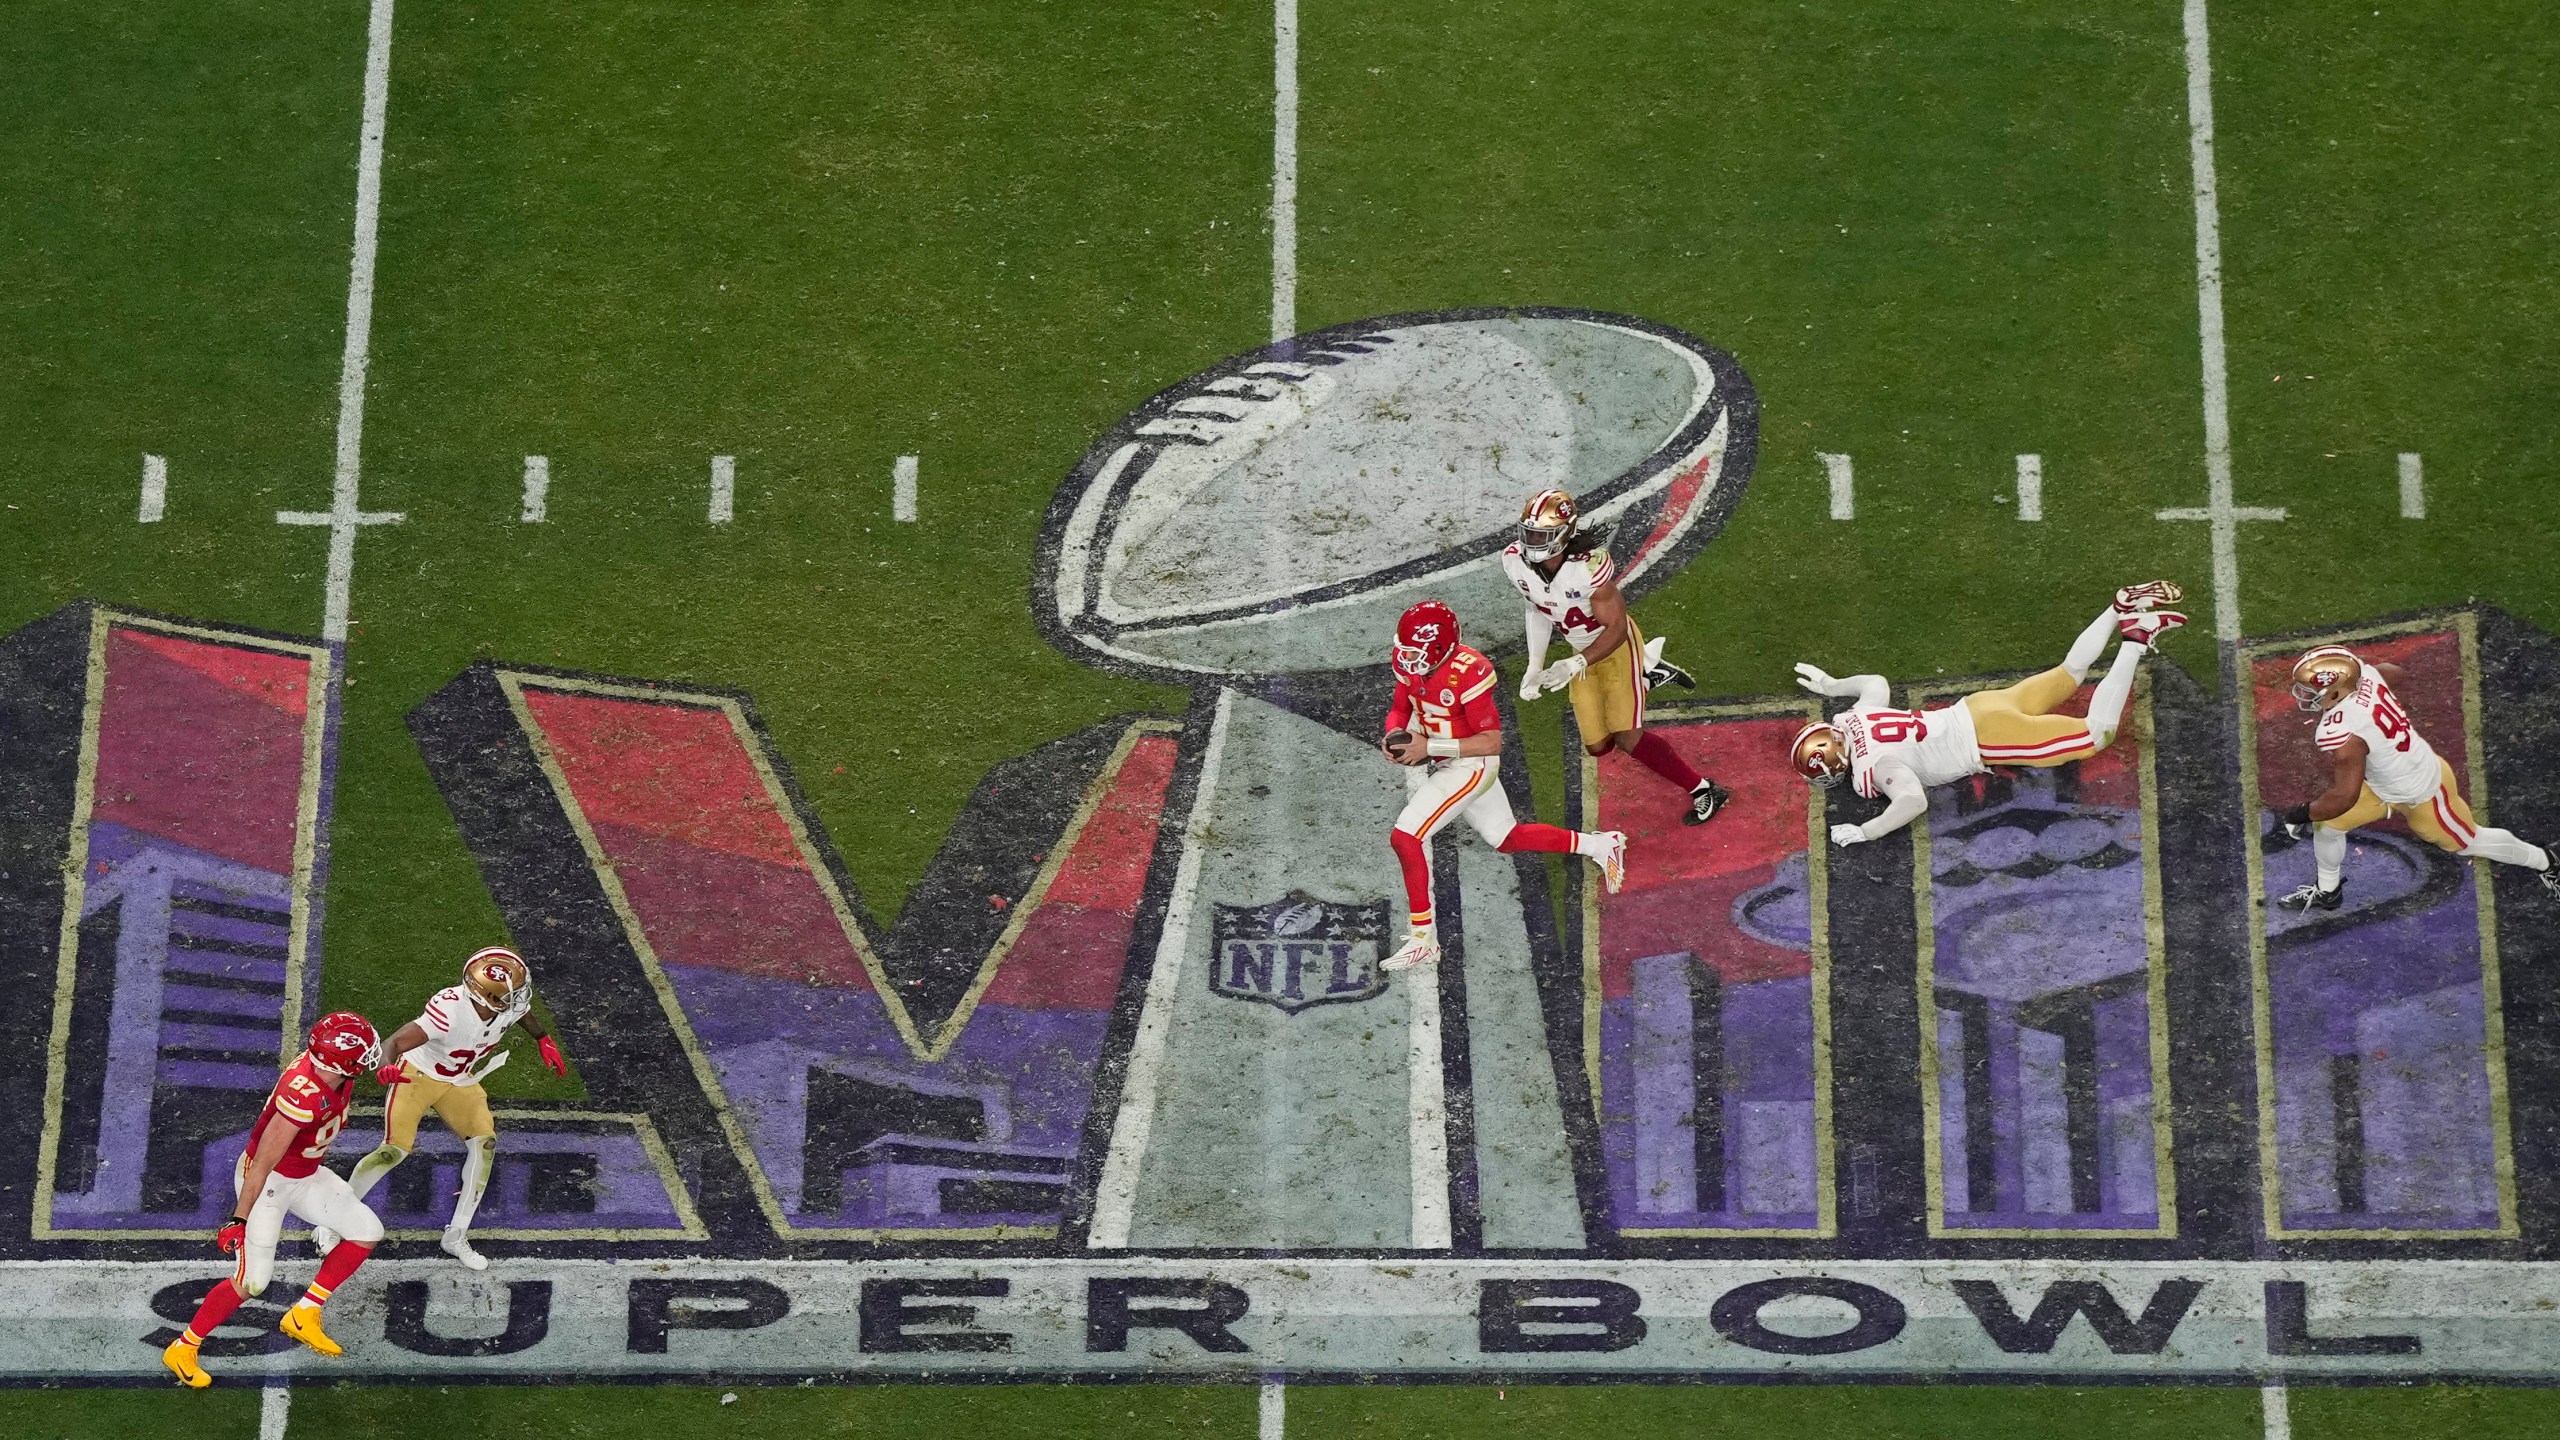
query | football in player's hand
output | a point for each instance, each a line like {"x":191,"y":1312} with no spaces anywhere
{"x":1394,"y":743}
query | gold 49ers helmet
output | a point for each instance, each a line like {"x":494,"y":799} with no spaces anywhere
{"x":1818,"y":755}
{"x":497,"y":977}
{"x":1547,"y":524}
{"x":2325,"y":676}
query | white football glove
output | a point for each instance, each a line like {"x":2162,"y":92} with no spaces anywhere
{"x":1847,"y":835}
{"x":1815,"y":679}
{"x":1560,"y":675}
{"x":1532,"y":683}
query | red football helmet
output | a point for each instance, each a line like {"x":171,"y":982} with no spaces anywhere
{"x":1425,"y":637}
{"x":345,"y":1043}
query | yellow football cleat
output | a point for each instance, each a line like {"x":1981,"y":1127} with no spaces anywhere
{"x":180,"y":1357}
{"x":302,"y":1322}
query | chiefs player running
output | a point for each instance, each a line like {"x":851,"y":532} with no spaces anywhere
{"x":1445,"y":726}
{"x":1898,"y":754}
{"x":2383,"y":766}
{"x":1565,"y":574}
{"x":461,"y":1024}
{"x":281,"y":1171}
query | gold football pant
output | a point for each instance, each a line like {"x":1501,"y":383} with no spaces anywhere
{"x":1608,"y":696}
{"x":2442,"y":819}
{"x":464,"y":1108}
{"x":2015,"y":725}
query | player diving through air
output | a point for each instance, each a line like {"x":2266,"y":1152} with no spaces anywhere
{"x":1898,"y":754}
{"x":1445,"y":726}
{"x":1565,"y":574}
{"x":442,"y":1057}
{"x":2383,"y":767}
{"x":280,"y":1171}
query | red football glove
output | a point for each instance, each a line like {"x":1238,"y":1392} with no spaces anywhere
{"x":231,"y":1237}
{"x":551,"y":1057}
{"x":391,"y":1075}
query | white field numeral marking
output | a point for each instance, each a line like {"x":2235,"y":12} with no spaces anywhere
{"x":2030,"y":487}
{"x":155,"y":489}
{"x":1844,"y":497}
{"x":902,"y":491}
{"x":2413,"y":489}
{"x":724,"y":488}
{"x":537,"y":489}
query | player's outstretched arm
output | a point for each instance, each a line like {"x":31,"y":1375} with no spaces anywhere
{"x":1533,"y":669}
{"x":1910,"y":799}
{"x":552,"y":1059}
{"x":1871,"y":692}
{"x":2346,"y":786}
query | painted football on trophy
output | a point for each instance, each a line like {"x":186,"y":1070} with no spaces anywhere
{"x":1274,"y":514}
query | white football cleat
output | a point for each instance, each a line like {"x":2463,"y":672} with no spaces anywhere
{"x":2145,"y":627}
{"x":1612,"y":859}
{"x":458,"y":1245}
{"x":2133,"y":599}
{"x":323,"y":1239}
{"x":1420,"y":948}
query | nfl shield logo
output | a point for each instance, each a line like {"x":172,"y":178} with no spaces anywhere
{"x":1299,"y":951}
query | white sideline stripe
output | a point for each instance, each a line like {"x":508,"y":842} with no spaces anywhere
{"x":2277,"y":1411}
{"x":1427,"y":1112}
{"x":902,"y":490}
{"x":2236,"y":512}
{"x":344,"y":519}
{"x":1844,"y":499}
{"x":275,"y":1404}
{"x":1272,"y":1421}
{"x":2031,"y":487}
{"x":155,"y":489}
{"x":1284,"y":169}
{"x":724,"y":488}
{"x":2219,"y":512}
{"x":2413,"y":488}
{"x":537,"y":489}
{"x":1115,"y":1197}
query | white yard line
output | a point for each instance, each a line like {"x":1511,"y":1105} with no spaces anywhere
{"x":155,"y":489}
{"x":1115,"y":1197}
{"x":2276,"y":1410}
{"x":724,"y":488}
{"x":2218,"y":511}
{"x":2413,"y":488}
{"x":537,"y":489}
{"x":2031,"y":487}
{"x":1272,"y":1419}
{"x":343,"y":518}
{"x":902,"y":490}
{"x":1284,"y":169}
{"x":275,"y":1404}
{"x":1844,"y":496}
{"x":1427,"y":1112}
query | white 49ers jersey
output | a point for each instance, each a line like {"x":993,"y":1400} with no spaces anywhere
{"x":2398,"y":762}
{"x":1938,"y":745}
{"x":457,"y":1038}
{"x":1566,"y":599}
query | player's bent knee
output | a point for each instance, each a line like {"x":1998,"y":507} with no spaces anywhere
{"x":362,"y":1228}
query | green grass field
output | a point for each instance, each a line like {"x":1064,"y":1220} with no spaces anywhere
{"x":820,"y":236}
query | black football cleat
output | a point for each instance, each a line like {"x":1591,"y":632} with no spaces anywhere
{"x":2312,"y":897}
{"x":1663,"y":672}
{"x":2550,"y":878}
{"x":1704,"y":802}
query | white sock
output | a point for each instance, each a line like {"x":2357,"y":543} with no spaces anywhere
{"x":479,"y":1154}
{"x":376,"y":1164}
{"x":2106,"y":708}
{"x":2490,"y":843}
{"x":2092,"y":643}
{"x":2329,"y":847}
{"x":1589,"y":845}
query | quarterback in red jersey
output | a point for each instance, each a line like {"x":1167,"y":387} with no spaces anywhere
{"x":1445,"y":726}
{"x":281,"y":1171}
